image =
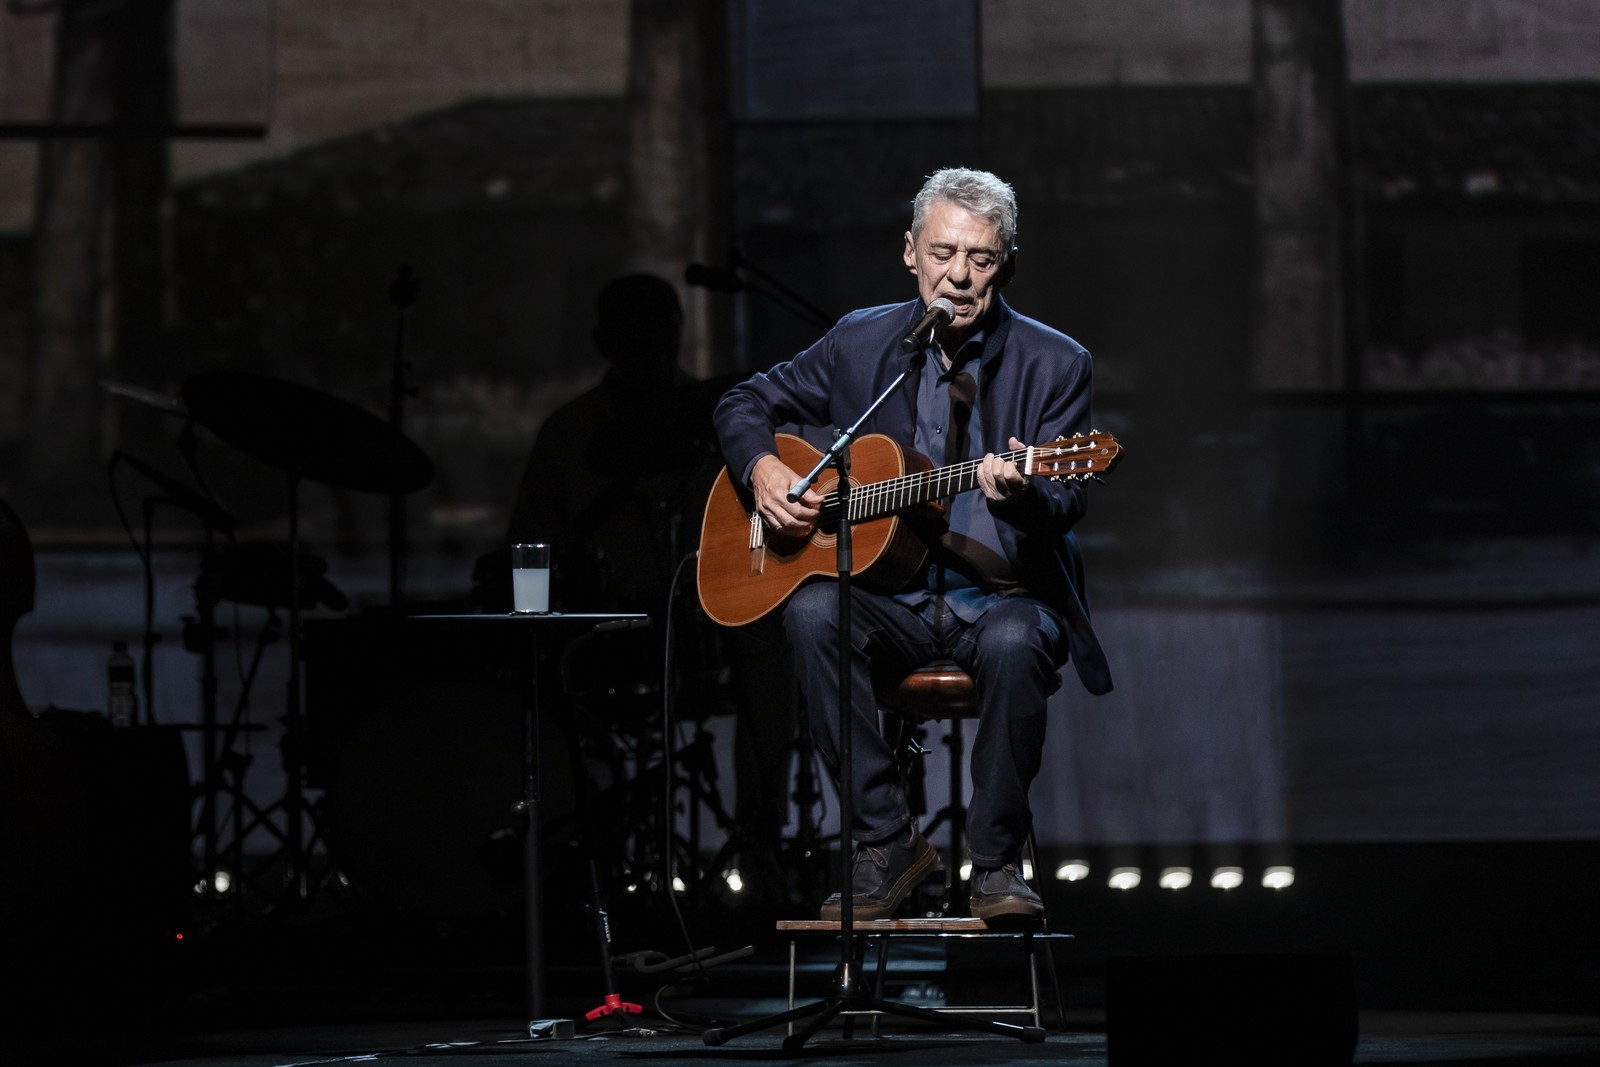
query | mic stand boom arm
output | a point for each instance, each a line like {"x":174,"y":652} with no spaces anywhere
{"x":780,"y":292}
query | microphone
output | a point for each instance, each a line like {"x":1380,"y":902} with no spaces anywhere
{"x":717,"y":279}
{"x":182,"y":495}
{"x":940,"y":313}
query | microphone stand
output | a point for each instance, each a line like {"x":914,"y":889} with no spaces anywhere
{"x":728,"y":280}
{"x":782,"y":293}
{"x":199,"y":635}
{"x":850,"y":993}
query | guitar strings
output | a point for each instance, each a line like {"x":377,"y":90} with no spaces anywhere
{"x":894,"y":493}
{"x":881,"y":498}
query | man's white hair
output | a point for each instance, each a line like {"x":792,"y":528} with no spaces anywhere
{"x":978,"y":191}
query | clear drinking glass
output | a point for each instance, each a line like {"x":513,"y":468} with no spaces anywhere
{"x":530,"y":579}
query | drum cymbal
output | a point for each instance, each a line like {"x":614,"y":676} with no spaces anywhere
{"x":308,"y":433}
{"x":148,"y":397}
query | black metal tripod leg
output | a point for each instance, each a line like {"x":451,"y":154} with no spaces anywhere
{"x":799,"y":1038}
{"x":718,"y":1035}
{"x":1030,"y":1034}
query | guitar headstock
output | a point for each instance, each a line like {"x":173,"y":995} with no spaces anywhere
{"x":1076,"y":458}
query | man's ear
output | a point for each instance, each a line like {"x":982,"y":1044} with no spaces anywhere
{"x":909,"y":255}
{"x":1008,"y":269}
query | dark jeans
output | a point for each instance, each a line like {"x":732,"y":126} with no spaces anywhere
{"x":1013,"y":651}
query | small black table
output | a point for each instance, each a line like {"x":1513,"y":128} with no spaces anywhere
{"x":562,"y":627}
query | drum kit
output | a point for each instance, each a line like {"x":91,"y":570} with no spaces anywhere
{"x":308,"y":435}
{"x":305,"y":434}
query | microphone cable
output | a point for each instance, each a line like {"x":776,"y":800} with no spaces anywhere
{"x":668,"y":756}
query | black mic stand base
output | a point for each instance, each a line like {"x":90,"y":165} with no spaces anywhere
{"x":851,"y":995}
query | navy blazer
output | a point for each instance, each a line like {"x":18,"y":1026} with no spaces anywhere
{"x":1036,"y":387}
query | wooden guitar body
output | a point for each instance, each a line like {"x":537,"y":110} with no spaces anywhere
{"x":745,"y":571}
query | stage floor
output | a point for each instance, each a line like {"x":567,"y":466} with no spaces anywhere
{"x":1481,"y":1040}
{"x":355,"y":987}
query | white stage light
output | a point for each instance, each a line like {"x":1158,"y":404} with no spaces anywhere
{"x":1176,"y":878}
{"x":220,"y":883}
{"x":1073,"y":871}
{"x":1278,"y":877}
{"x":1227,"y":878}
{"x":1124,"y":878}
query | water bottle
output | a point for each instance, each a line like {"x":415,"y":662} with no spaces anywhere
{"x":122,"y":706}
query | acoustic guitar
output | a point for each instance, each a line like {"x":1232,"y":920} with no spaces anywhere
{"x":745,"y":570}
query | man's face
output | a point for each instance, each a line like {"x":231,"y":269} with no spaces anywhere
{"x":957,"y":256}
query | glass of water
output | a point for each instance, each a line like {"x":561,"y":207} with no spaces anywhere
{"x":530,"y":579}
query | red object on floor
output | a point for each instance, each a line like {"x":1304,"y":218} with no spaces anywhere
{"x":614,"y":1003}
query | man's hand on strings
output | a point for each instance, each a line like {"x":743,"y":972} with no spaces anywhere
{"x":771,"y":480}
{"x":999,"y":479}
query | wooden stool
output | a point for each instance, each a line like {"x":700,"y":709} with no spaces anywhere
{"x":937,"y":691}
{"x":886,"y":931}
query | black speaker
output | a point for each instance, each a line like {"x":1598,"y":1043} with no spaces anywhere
{"x":95,"y":881}
{"x":1243,"y":1010}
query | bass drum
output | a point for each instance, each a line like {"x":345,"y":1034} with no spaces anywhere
{"x":422,"y":799}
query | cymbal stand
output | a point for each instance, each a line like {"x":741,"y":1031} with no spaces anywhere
{"x":295,"y":853}
{"x":294,"y":805}
{"x":403,"y":294}
{"x":225,"y":768}
{"x":297,"y":847}
{"x":653,"y":771}
{"x":147,"y":682}
{"x":699,"y":780}
{"x":206,"y":637}
{"x":203,"y":633}
{"x":808,"y":847}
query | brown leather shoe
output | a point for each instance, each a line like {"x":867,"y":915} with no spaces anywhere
{"x":883,"y":875}
{"x":999,"y":893}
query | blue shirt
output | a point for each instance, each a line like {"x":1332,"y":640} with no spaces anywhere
{"x":971,"y":525}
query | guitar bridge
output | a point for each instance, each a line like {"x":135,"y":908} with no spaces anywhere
{"x":758,"y":544}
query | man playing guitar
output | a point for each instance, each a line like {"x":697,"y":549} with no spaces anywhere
{"x":1002,"y":591}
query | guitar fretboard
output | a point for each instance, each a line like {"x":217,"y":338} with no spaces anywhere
{"x":873,"y":501}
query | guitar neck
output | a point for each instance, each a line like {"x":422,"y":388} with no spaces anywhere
{"x":878,"y":499}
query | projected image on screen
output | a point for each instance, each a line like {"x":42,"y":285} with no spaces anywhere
{"x":173,"y":67}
